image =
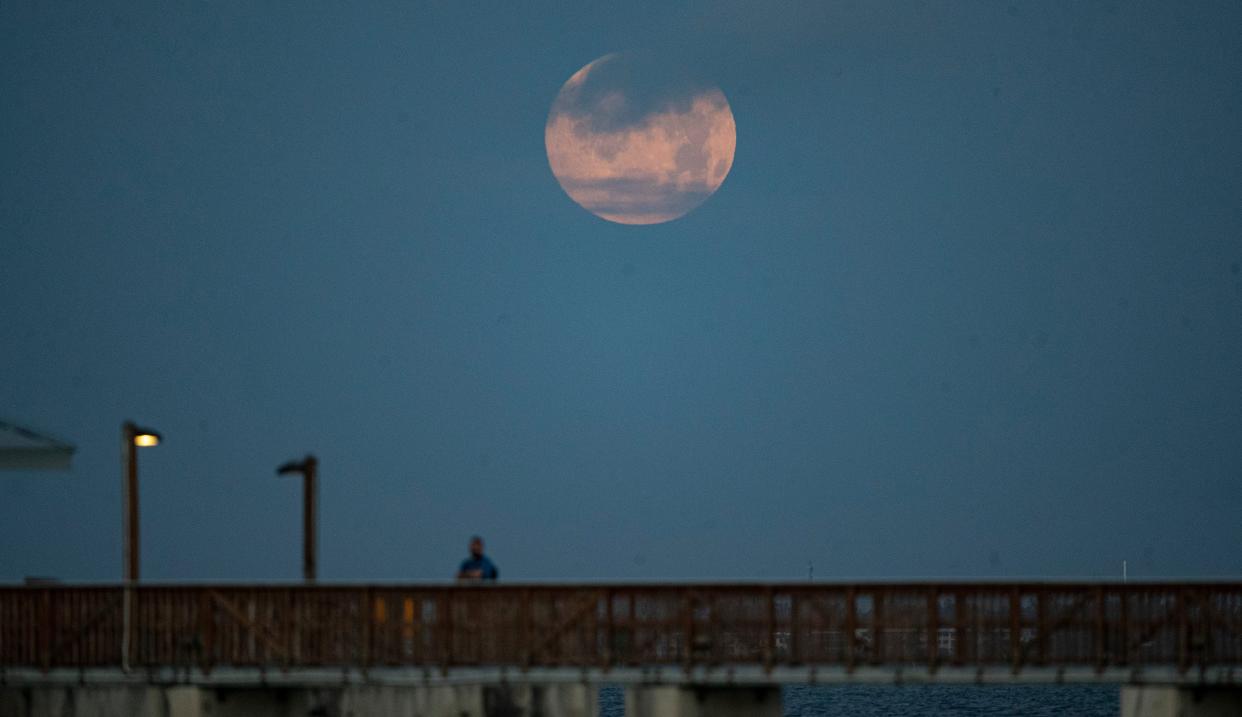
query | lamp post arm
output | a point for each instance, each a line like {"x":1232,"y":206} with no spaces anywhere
{"x":309,"y":468}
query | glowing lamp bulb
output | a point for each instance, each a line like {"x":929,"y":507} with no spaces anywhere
{"x":146,"y":440}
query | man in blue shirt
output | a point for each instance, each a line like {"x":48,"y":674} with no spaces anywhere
{"x":477,"y":567}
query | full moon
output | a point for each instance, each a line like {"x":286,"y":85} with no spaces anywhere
{"x":635,"y":142}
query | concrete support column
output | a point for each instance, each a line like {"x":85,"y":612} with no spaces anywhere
{"x":400,"y":701}
{"x":557,"y":700}
{"x":498,"y":700}
{"x":680,"y":701}
{"x":86,"y":701}
{"x":1161,"y":701}
{"x":188,"y":701}
{"x":492,"y":700}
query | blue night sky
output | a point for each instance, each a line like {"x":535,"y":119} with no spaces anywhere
{"x":969,"y":302}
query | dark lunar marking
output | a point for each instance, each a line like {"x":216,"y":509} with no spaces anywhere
{"x":652,"y":84}
{"x":692,"y":157}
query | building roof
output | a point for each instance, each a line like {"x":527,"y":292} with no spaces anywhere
{"x":24,"y":449}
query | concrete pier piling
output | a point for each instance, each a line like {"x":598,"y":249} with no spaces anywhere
{"x":691,"y":701}
{"x":1176,"y":701}
{"x":493,"y":700}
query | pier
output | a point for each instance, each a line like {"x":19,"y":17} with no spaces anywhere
{"x":539,"y":649}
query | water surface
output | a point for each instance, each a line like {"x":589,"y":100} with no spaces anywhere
{"x":930,"y":701}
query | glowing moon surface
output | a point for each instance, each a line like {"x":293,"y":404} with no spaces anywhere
{"x":635,"y":143}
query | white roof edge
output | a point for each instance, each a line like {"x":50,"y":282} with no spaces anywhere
{"x":24,"y":449}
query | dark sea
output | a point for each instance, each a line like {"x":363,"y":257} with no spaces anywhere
{"x":931,"y":701}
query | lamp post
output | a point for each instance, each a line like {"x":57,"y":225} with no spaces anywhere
{"x":132,"y":438}
{"x":308,"y":467}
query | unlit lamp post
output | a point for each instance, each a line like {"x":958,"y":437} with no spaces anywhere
{"x":308,"y":467}
{"x":132,"y":438}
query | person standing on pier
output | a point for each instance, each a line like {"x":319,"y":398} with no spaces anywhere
{"x":477,"y":567}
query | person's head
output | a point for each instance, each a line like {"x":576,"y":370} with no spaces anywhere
{"x":476,"y":546}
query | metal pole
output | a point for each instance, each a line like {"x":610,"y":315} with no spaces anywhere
{"x":129,"y":533}
{"x":310,"y":487}
{"x":129,"y":458}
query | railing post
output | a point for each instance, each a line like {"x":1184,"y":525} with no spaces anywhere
{"x":591,"y":651}
{"x":795,"y":654}
{"x":877,"y":626}
{"x":1101,"y":634}
{"x":206,"y":630}
{"x":959,"y":629}
{"x":1125,"y":627}
{"x":289,"y":628}
{"x":1183,"y":632}
{"x":630,"y":631}
{"x":851,"y":628}
{"x":1202,"y":643}
{"x":364,"y":637}
{"x":527,"y":619}
{"x":1041,"y":615}
{"x":446,"y":647}
{"x":45,"y":630}
{"x":687,"y":629}
{"x":1015,"y":629}
{"x":1197,"y":632}
{"x":611,"y":632}
{"x":770,"y":655}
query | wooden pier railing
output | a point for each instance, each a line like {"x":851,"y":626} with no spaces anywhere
{"x":1016,"y":625}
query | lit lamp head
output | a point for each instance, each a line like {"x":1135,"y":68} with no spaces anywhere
{"x":146,"y":439}
{"x":143,"y":437}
